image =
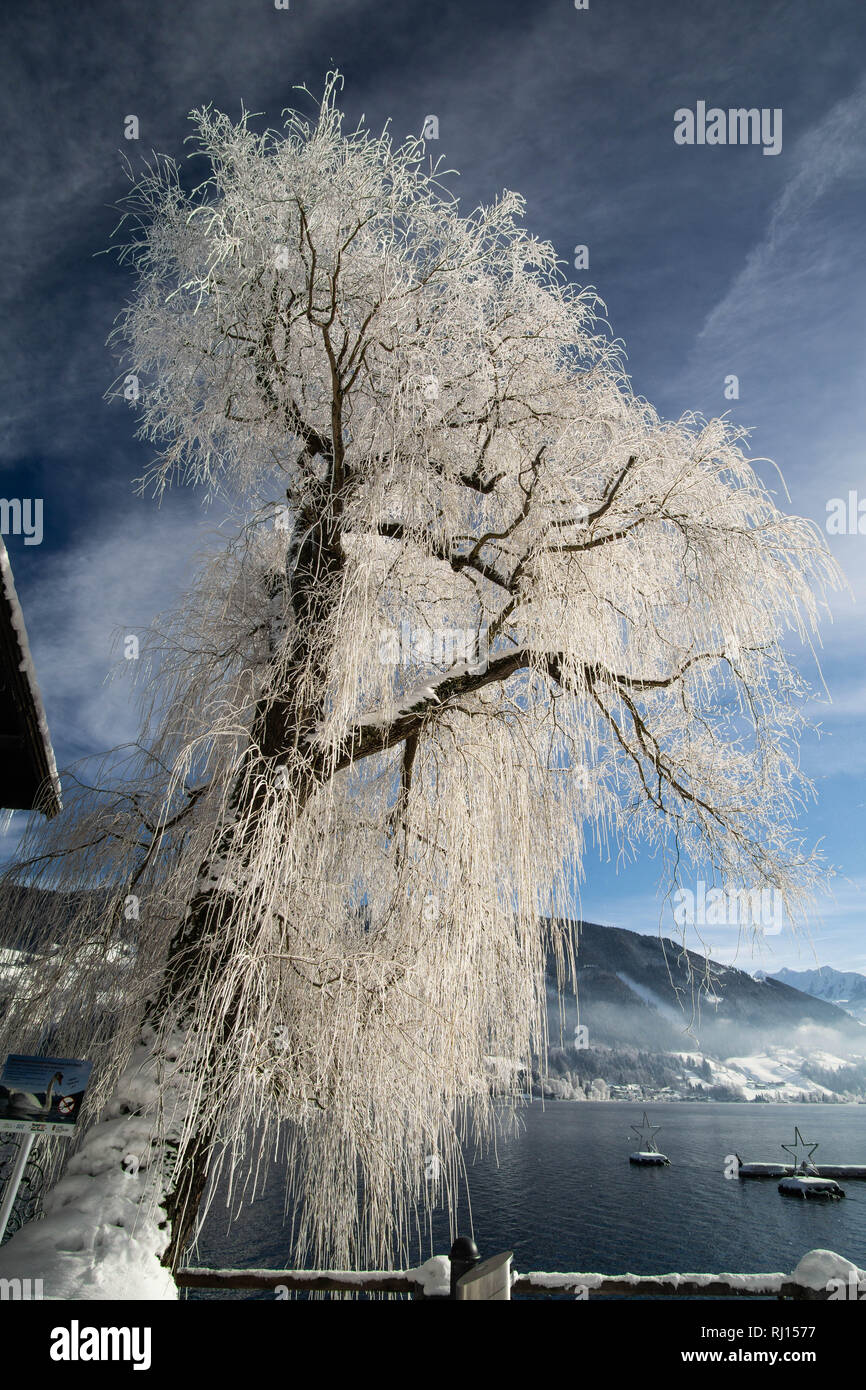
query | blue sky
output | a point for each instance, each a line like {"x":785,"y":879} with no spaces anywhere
{"x":712,"y":261}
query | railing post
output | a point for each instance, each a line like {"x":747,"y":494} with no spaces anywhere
{"x":465,"y":1255}
{"x":489,"y":1281}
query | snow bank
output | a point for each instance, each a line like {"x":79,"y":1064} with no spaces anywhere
{"x":434,"y":1276}
{"x":818,"y":1267}
{"x":100,"y":1237}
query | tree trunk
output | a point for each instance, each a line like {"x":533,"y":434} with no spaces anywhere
{"x":183,"y":1200}
{"x":279,"y":722}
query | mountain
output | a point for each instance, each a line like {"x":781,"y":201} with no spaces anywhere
{"x":845,"y":988}
{"x":665,"y":1022}
{"x":648,"y":991}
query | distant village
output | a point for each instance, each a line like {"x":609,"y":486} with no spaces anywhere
{"x":555,"y":1089}
{"x":629,"y":1074}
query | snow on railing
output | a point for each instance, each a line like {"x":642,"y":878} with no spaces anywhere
{"x":430,"y":1280}
{"x":820,"y":1274}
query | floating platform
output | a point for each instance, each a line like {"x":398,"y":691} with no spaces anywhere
{"x":649,"y":1158}
{"x":803,"y":1185}
{"x":853,"y":1172}
{"x":765,"y":1170}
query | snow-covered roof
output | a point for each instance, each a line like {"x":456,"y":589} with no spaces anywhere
{"x":28,"y":772}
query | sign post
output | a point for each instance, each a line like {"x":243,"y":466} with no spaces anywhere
{"x":489,"y":1281}
{"x":14,"y":1182}
{"x":38,"y":1095}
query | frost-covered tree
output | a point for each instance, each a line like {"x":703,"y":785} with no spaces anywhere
{"x":481,"y":608}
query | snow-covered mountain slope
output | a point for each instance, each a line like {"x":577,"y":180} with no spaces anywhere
{"x":775,"y":1074}
{"x":844,"y":988}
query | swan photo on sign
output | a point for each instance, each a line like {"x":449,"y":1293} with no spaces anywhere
{"x":42,"y":1093}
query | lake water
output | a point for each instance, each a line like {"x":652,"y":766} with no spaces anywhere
{"x":563,"y":1195}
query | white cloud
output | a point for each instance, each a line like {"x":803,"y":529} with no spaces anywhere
{"x":114,"y":581}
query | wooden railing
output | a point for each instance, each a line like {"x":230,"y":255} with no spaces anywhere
{"x":431,"y":1281}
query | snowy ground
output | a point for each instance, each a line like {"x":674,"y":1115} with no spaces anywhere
{"x":100,"y":1237}
{"x":774,"y":1073}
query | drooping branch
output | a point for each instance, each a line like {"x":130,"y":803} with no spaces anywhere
{"x":396,"y":531}
{"x":407,"y":763}
{"x":377,"y":733}
{"x":610,"y":496}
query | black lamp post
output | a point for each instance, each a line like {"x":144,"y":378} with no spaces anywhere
{"x":465,"y":1255}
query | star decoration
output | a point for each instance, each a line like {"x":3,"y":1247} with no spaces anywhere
{"x":799,"y":1142}
{"x":651,"y":1130}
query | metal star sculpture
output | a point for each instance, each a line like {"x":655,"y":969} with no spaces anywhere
{"x":652,"y":1130}
{"x":799,"y":1142}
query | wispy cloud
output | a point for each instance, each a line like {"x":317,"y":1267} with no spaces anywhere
{"x":776,"y":276}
